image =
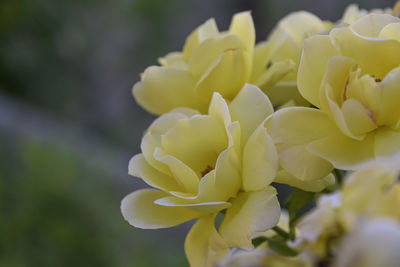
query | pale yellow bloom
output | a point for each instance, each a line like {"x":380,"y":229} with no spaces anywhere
{"x":369,"y":193}
{"x":352,"y":76}
{"x":374,"y":242}
{"x":263,"y":256}
{"x":354,"y":13}
{"x":211,"y":61}
{"x":202,"y":164}
{"x":276,"y":60}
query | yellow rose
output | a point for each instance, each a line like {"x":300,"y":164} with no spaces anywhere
{"x":370,"y":193}
{"x":263,"y":255}
{"x":352,"y":76}
{"x":211,"y":61}
{"x":354,"y":13}
{"x":276,"y":60}
{"x":202,"y":164}
{"x":374,"y":242}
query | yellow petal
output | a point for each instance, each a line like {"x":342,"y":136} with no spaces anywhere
{"x":250,"y":107}
{"x":284,"y":177}
{"x":184,"y":175}
{"x":174,"y":59}
{"x":250,"y":212}
{"x":203,"y":245}
{"x":337,"y":76}
{"x":261,"y":57}
{"x":292,"y":129}
{"x":206,"y":30}
{"x":361,"y":39}
{"x":140,"y":168}
{"x":174,"y":86}
{"x":276,"y":72}
{"x":284,"y":92}
{"x":152,"y":139}
{"x":295,"y":27}
{"x":391,"y":31}
{"x":337,"y":115}
{"x":361,"y":185}
{"x":219,"y":109}
{"x":208,"y":51}
{"x":204,"y":207}
{"x":358,"y":117}
{"x":317,"y":50}
{"x":371,"y":25}
{"x":221,"y":183}
{"x":139,"y":210}
{"x":387,"y":95}
{"x":343,"y":152}
{"x":260,"y":161}
{"x":227,"y":173}
{"x":242,"y":25}
{"x":196,"y":141}
{"x":225,"y":75}
{"x":387,"y":143}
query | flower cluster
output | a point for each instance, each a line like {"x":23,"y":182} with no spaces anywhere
{"x":315,"y":100}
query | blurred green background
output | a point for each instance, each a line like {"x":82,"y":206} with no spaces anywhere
{"x":68,"y":123}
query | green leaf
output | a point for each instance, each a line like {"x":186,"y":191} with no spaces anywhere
{"x":281,"y":232}
{"x":299,"y":200}
{"x":282,"y":248}
{"x":258,"y":241}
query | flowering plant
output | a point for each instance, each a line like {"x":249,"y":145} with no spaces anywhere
{"x":315,"y":100}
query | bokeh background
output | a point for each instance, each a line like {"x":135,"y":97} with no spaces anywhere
{"x":69,"y":125}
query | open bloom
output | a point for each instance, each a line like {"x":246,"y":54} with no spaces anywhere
{"x":211,"y":61}
{"x":352,"y":76}
{"x":374,"y":242}
{"x":202,"y":164}
{"x":354,"y":13}
{"x":367,"y":194}
{"x":276,"y":60}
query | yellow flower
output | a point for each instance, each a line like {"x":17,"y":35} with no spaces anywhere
{"x":202,"y":164}
{"x":375,"y":242}
{"x":352,"y":76}
{"x":211,"y":61}
{"x":370,"y":193}
{"x":354,"y":13}
{"x":276,"y":60}
{"x":263,"y":255}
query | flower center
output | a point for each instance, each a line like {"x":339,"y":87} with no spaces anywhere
{"x":206,"y":170}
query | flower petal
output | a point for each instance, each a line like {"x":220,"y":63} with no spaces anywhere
{"x":343,"y":152}
{"x":219,"y":109}
{"x":208,"y":51}
{"x":207,"y":30}
{"x":139,"y":210}
{"x":292,"y":129}
{"x":250,"y":212}
{"x":203,"y":245}
{"x":250,"y":107}
{"x":361,"y":39}
{"x":196,"y":141}
{"x":184,"y":175}
{"x":317,"y":50}
{"x":387,"y":144}
{"x":284,"y":177}
{"x":242,"y":25}
{"x":174,"y":86}
{"x":225,"y":75}
{"x":139,"y":167}
{"x":260,"y":161}
{"x":206,"y":207}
